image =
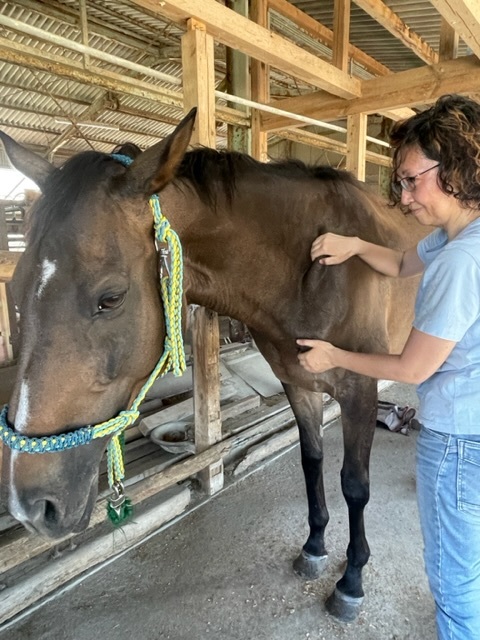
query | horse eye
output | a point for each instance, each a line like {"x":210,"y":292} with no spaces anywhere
{"x":112,"y":301}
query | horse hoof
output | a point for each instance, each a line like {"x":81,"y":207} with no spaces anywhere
{"x":308,"y":566}
{"x":342,"y":607}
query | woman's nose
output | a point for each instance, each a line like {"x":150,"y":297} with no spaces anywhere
{"x":407,"y":197}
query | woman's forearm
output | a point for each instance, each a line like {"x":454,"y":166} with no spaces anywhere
{"x":379,"y":366}
{"x":422,"y":355}
{"x":382,"y":259}
{"x":331,"y":249}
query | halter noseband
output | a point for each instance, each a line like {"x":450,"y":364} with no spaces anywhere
{"x":173,"y":358}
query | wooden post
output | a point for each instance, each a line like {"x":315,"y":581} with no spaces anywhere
{"x":260,"y":79}
{"x":341,"y":33}
{"x":206,"y":392}
{"x":448,"y":41}
{"x":198,"y":90}
{"x":238,"y":84}
{"x":356,"y":124}
{"x":356,"y":144}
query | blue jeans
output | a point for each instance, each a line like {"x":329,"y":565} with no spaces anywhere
{"x":448,"y":493}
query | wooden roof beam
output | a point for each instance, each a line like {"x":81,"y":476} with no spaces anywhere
{"x":325,"y":35}
{"x":236,"y":31}
{"x":328,"y":144}
{"x":144,"y":42}
{"x":321,"y":106}
{"x":464,"y":16}
{"x":414,"y":87}
{"x":106,"y":101}
{"x":32,"y":58}
{"x":320,"y":32}
{"x":379,"y":11}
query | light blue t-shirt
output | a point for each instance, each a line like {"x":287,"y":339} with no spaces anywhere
{"x":448,"y":307}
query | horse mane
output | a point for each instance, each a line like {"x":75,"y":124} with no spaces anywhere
{"x":212,"y":172}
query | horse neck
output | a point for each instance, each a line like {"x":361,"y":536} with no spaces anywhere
{"x":237,"y":255}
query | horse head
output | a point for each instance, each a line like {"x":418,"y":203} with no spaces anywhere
{"x":92,"y":325}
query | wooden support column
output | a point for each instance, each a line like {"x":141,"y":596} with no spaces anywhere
{"x":448,"y":42}
{"x":260,"y":79}
{"x":238,"y":84}
{"x":341,"y":33}
{"x":198,"y":90}
{"x":356,"y":144}
{"x":357,"y":124}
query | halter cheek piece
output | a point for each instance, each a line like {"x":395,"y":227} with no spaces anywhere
{"x":173,"y":358}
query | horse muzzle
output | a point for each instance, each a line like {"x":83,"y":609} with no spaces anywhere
{"x":53,"y":494}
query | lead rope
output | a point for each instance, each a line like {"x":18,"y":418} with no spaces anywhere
{"x":119,"y":507}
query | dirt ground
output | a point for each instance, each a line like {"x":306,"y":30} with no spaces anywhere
{"x":223,"y":571}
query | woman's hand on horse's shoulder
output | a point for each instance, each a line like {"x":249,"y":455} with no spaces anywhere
{"x":318,"y":357}
{"x":330,"y":248}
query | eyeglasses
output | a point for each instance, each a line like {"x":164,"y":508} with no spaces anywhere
{"x":408,"y":182}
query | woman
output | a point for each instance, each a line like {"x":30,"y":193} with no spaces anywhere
{"x":436,"y":179}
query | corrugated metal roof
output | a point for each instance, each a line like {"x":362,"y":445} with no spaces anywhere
{"x":36,"y":106}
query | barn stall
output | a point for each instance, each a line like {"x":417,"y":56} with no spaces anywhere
{"x":310,"y":80}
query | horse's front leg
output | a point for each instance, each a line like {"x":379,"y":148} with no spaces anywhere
{"x":307,"y":408}
{"x":358,"y":403}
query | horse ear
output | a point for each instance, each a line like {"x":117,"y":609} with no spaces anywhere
{"x":34,"y":167}
{"x":155,"y":167}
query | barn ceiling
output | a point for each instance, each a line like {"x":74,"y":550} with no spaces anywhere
{"x":77,"y":74}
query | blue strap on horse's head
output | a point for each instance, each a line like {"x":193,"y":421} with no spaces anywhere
{"x":123,"y":159}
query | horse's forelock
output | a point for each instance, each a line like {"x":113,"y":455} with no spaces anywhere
{"x":65,"y":188}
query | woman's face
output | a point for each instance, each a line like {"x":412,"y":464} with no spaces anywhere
{"x":427,"y":202}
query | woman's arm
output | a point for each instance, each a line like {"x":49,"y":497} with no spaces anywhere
{"x":422,"y":356}
{"x":331,"y":248}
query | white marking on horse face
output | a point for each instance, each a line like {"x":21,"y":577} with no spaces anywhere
{"x":48,"y":271}
{"x":21,"y":416}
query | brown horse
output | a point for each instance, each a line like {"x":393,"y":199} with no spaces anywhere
{"x":92,"y":324}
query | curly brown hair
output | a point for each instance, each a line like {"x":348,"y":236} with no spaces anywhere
{"x":449,"y":133}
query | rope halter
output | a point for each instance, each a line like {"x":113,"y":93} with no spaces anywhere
{"x":173,"y":358}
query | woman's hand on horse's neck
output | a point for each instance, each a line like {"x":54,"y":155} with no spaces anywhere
{"x":331,"y":249}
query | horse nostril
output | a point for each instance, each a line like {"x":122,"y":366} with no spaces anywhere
{"x":50,"y":512}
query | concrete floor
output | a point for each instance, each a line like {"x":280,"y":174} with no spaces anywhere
{"x":224,"y":570}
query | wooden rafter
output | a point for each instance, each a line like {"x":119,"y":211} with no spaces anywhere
{"x":329,"y":144}
{"x":238,"y":32}
{"x":151,"y":43}
{"x":464,"y":16}
{"x":414,"y":87}
{"x":325,"y":35}
{"x":32,"y":58}
{"x":91,"y":113}
{"x":379,"y":11}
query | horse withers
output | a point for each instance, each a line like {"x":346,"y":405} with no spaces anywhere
{"x":92,"y":324}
